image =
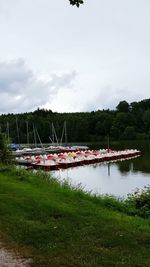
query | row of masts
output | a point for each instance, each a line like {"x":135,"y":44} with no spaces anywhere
{"x":53,"y":138}
{"x":7,"y":134}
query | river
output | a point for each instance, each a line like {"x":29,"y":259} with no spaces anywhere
{"x":118,"y":178}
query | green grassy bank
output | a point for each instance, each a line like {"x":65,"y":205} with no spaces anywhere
{"x":59,"y":226}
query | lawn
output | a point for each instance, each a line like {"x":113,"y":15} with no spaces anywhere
{"x":57,"y":225}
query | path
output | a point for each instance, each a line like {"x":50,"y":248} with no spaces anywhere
{"x":9,"y":259}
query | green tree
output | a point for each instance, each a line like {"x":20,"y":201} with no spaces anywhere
{"x":114,"y":133}
{"x":123,"y":106}
{"x":122,"y":120}
{"x":146,"y":119}
{"x":137,"y":113}
{"x":129,"y":133}
{"x":5,"y":155}
{"x":134,"y":107}
{"x":99,"y":128}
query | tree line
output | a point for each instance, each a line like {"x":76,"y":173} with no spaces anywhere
{"x":127,"y":121}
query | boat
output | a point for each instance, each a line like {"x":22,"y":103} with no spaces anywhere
{"x":72,"y":148}
{"x":73,"y":159}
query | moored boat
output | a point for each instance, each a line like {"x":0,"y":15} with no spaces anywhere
{"x":71,"y":159}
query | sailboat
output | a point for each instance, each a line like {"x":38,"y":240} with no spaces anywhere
{"x":66,"y":148}
{"x":54,"y":147}
{"x":27,"y":150}
{"x":12,"y":146}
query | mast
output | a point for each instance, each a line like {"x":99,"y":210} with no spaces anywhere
{"x":8,"y":133}
{"x":34,"y":133}
{"x":108,"y":142}
{"x":52,"y":139}
{"x":27,"y":124}
{"x":17,"y":131}
{"x":39,"y":138}
{"x":65,"y":126}
{"x":54,"y":133}
{"x":62,"y":134}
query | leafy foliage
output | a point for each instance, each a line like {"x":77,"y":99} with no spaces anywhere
{"x":129,"y":133}
{"x":123,"y":106}
{"x":76,"y":2}
{"x":5,"y":156}
{"x":140,"y":200}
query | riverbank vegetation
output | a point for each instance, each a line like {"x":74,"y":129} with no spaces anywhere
{"x":127,"y":121}
{"x":57,"y":225}
{"x":5,"y":153}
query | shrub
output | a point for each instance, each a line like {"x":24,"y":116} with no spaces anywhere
{"x":5,"y":154}
{"x":141,"y":136}
{"x":140,"y":200}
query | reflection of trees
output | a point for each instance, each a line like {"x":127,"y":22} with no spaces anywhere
{"x":140,"y":164}
{"x":124,"y":166}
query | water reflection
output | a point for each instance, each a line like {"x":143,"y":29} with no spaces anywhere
{"x":116,"y":178}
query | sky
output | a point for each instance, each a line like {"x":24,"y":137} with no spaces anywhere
{"x":68,"y":59}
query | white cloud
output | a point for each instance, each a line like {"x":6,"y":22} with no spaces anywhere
{"x":21,"y":90}
{"x":106,"y":42}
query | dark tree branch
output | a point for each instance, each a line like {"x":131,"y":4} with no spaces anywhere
{"x":76,"y":2}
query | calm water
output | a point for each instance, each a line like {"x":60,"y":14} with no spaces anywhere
{"x":118,"y":178}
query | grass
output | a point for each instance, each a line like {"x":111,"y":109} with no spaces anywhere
{"x":57,"y":225}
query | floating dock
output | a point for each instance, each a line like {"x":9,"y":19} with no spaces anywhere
{"x":73,"y":159}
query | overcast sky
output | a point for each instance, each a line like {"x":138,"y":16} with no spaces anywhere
{"x":59,"y":57}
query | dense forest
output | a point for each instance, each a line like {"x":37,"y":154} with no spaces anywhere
{"x":127,"y":121}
